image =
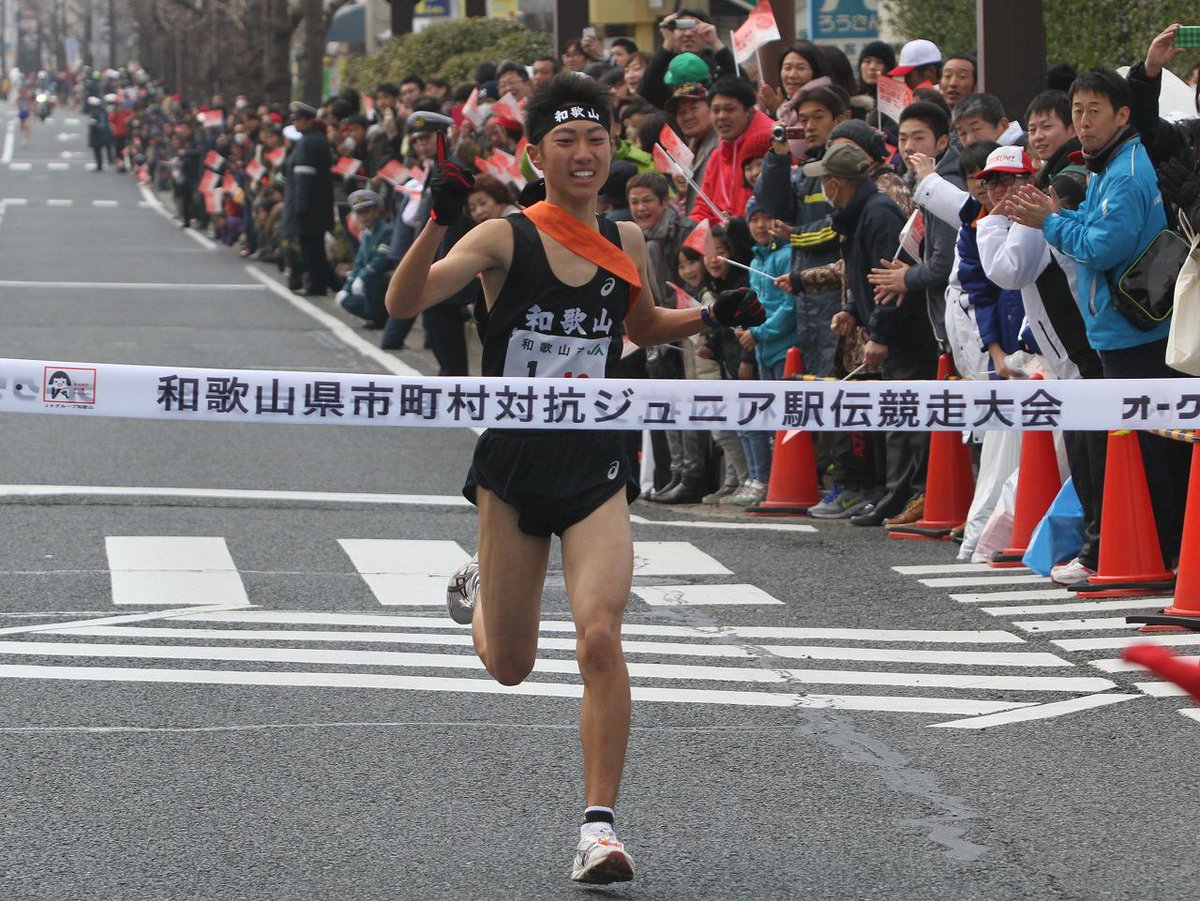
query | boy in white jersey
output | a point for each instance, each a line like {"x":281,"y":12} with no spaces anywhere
{"x":564,"y":277}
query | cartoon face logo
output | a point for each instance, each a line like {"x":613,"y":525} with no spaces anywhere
{"x":60,"y":385}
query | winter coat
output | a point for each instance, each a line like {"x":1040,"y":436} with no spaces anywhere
{"x":662,"y":250}
{"x":372,"y":264}
{"x":870,"y":226}
{"x":308,"y":191}
{"x":778,"y":332}
{"x":1119,"y":217}
{"x":724,"y":182}
{"x":998,"y":311}
{"x":789,"y":117}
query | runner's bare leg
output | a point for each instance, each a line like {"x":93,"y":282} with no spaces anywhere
{"x":512,"y":573}
{"x":598,"y":566}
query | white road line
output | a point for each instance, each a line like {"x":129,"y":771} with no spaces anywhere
{"x":10,"y":134}
{"x":130,"y":286}
{"x":487,"y":686}
{"x":59,"y":202}
{"x":674,"y":558}
{"x":1079,"y":607}
{"x":990,"y":636}
{"x":1037,"y":712}
{"x":107,"y":204}
{"x":1191,"y":713}
{"x":71,"y":121}
{"x":103,"y":621}
{"x":152,"y":204}
{"x":704,"y":595}
{"x":15,"y":201}
{"x":737,"y":526}
{"x":342,"y":331}
{"x":1020,"y":577}
{"x":20,"y":167}
{"x":459,"y":640}
{"x":1074,"y":625}
{"x":1117,"y":665}
{"x":402,"y":572}
{"x":1043,"y":594}
{"x":58,"y":167}
{"x":893,"y":655}
{"x":173,"y":570}
{"x":934,"y":569}
{"x":200,"y":239}
{"x":558,"y":666}
{"x":1160,"y":689}
{"x":1124,"y":641}
{"x":422,"y":500}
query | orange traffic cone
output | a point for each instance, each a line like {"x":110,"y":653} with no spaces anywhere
{"x":1130,"y":559}
{"x":950,"y":482}
{"x":1038,"y":484}
{"x":1187,"y":579}
{"x":792,"y":487}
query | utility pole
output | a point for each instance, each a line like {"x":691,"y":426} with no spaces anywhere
{"x":570,"y":18}
{"x":402,"y":16}
{"x":1012,"y":51}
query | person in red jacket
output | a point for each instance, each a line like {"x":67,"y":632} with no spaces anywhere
{"x":118,"y":118}
{"x":745,"y":133}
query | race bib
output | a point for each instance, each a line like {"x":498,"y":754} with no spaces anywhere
{"x":534,"y":355}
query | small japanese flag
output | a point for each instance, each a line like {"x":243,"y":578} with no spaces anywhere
{"x":472,"y":110}
{"x":392,"y":171}
{"x":701,"y":240}
{"x":255,"y":170}
{"x":757,"y":30}
{"x":347,"y":166}
{"x":214,"y":160}
{"x":274,"y":157}
{"x":911,"y":237}
{"x":679,"y":151}
{"x":683,"y":300}
{"x":510,"y":107}
{"x":894,"y":95}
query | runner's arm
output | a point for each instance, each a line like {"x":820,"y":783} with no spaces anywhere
{"x":419,"y":283}
{"x":646,"y":324}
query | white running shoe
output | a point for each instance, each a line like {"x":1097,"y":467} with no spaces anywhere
{"x":601,"y":859}
{"x":1070,"y":573}
{"x":462,"y":590}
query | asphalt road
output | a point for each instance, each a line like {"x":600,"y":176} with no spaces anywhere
{"x":290,"y":718}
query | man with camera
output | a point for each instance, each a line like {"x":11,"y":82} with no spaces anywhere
{"x":685,"y":31}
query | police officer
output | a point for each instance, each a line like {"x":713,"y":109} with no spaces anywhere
{"x":372,"y":270}
{"x":308,"y":197}
{"x":444,"y":324}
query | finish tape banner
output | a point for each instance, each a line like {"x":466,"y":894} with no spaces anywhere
{"x":227,"y":395}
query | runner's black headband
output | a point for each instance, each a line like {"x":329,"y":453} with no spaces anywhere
{"x":568,"y":112}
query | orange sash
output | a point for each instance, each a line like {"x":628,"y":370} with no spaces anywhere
{"x":587,"y":243}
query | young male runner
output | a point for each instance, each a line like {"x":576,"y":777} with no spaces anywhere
{"x":562,"y":274}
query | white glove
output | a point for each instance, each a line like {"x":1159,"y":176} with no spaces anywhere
{"x":341,"y":296}
{"x":358,"y":286}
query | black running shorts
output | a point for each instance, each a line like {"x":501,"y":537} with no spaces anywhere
{"x":552,"y":479}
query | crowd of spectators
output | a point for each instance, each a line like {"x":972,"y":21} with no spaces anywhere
{"x":801,"y":188}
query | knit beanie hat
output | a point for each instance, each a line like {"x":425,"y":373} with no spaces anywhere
{"x":880,"y":50}
{"x":863,"y":135}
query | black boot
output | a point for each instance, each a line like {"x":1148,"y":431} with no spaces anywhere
{"x":657,"y":494}
{"x":683,"y":493}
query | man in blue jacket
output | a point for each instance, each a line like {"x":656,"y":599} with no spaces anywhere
{"x":1117,"y":221}
{"x":367,"y":281}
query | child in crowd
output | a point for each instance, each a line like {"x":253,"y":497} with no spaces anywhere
{"x":769,"y":342}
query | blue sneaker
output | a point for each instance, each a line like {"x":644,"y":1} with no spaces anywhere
{"x":837,"y":503}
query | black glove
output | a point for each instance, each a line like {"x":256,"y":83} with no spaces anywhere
{"x":738,"y":308}
{"x":449,"y":186}
{"x":1180,"y":183}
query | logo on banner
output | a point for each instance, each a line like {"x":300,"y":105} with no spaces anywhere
{"x":65,"y":385}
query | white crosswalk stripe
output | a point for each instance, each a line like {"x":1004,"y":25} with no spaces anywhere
{"x":1059,"y":611}
{"x":171,"y":570}
{"x":225,"y":640}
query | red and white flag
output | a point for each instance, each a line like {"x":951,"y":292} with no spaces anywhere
{"x":662,"y":162}
{"x":894,"y":96}
{"x":214,"y":160}
{"x":255,"y":170}
{"x":393,"y":172}
{"x":757,"y":30}
{"x":213,"y":201}
{"x":680,"y":152}
{"x":509,"y":107}
{"x":701,"y":240}
{"x":229,"y":183}
{"x":368,"y":108}
{"x":473,"y":111}
{"x":683,"y":300}
{"x":911,"y":237}
{"x":208,"y":181}
{"x":347,"y":166}
{"x":274,"y":157}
